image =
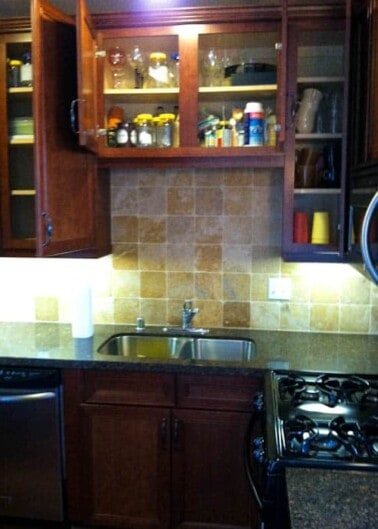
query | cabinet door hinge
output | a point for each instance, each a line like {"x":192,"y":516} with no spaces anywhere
{"x":100,"y":54}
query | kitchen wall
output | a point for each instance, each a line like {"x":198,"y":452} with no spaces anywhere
{"x":208,"y":235}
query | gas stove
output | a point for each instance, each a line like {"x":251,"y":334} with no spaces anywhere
{"x":307,"y":421}
{"x":329,"y":420}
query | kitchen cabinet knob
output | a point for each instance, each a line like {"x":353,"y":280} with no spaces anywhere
{"x":176,"y":432}
{"x":73,"y":115}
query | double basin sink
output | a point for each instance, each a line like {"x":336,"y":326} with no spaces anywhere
{"x":131,"y":346}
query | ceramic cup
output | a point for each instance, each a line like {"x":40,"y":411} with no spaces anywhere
{"x":320,"y":228}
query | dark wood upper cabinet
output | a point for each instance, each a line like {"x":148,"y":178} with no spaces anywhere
{"x":316,"y":172}
{"x":239,"y":35}
{"x":364,"y":90}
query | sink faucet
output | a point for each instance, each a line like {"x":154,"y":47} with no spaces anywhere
{"x":188,"y":314}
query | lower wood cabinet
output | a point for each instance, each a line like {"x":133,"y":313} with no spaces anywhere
{"x":156,"y":451}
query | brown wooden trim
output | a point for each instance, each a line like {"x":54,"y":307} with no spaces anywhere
{"x":15,"y":25}
{"x":185,"y":15}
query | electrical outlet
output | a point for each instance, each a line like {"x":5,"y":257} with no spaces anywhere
{"x":280,"y":288}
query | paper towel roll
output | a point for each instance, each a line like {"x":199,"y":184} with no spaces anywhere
{"x":82,"y":314}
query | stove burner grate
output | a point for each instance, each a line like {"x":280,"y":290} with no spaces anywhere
{"x":337,"y":438}
{"x":330,"y":390}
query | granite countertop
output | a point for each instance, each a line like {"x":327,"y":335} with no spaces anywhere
{"x":332,"y":499}
{"x":51,"y":344}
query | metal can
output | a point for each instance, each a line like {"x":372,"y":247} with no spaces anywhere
{"x":224,"y":134}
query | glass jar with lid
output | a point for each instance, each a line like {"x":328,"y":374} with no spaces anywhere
{"x":164,"y":136}
{"x":158,"y":75}
{"x":14,"y":67}
{"x":144,"y":130}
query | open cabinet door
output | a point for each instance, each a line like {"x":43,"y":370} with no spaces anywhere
{"x":65,"y":174}
{"x":87,"y":78}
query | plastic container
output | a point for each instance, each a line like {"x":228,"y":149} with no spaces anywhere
{"x":26,"y":71}
{"x":254,"y":124}
{"x":158,"y":75}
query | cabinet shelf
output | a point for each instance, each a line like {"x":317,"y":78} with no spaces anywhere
{"x":22,"y":139}
{"x":23,"y":192}
{"x":195,"y":156}
{"x":313,"y":136}
{"x":170,"y":94}
{"x":20,"y":90}
{"x":230,"y":93}
{"x":317,"y":191}
{"x":321,"y":79}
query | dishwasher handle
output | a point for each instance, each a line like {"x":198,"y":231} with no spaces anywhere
{"x":22,"y":397}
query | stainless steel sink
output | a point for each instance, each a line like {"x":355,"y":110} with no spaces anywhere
{"x":143,"y":346}
{"x":179,"y":348}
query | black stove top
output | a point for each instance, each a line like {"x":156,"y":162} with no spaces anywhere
{"x":325,"y":419}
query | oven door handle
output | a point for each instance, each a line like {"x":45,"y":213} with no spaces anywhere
{"x":25,"y":397}
{"x":247,"y":459}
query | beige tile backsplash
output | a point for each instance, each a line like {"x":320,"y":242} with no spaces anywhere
{"x":208,"y":235}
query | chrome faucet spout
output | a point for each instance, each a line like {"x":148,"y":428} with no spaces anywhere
{"x":188,"y":313}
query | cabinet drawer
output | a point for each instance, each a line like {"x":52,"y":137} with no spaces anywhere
{"x":217,"y":392}
{"x":110,"y":387}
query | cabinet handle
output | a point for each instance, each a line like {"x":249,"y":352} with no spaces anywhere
{"x":176,"y":433}
{"x":293,"y":108}
{"x":73,"y":114}
{"x":163,"y":432}
{"x":48,"y":228}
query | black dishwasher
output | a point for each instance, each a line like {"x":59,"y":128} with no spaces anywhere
{"x":31,"y":444}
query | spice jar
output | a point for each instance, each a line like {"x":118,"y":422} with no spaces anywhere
{"x":123,"y":135}
{"x":144,"y":130}
{"x":164,"y":136}
{"x":158,"y":71}
{"x":14,"y":73}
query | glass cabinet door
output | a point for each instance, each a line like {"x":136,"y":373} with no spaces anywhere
{"x":236,"y":69}
{"x":176,"y":89}
{"x":141,"y":87}
{"x":314,"y":201}
{"x":17,"y":159}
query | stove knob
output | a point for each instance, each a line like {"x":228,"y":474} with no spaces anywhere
{"x":258,"y":452}
{"x":258,"y":442}
{"x":259,"y":455}
{"x":258,"y":402}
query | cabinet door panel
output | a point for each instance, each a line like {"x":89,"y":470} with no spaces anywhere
{"x":64,"y":174}
{"x":209,"y":487}
{"x":126,"y":450}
